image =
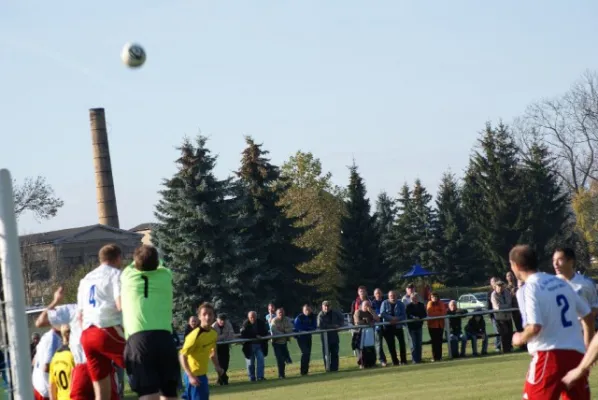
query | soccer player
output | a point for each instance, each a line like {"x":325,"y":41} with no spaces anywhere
{"x":151,"y":356}
{"x":553,"y":333}
{"x":47,"y":346}
{"x":98,"y":303}
{"x":199,"y":346}
{"x":61,"y":368}
{"x":563,"y":261}
{"x":81,"y":386}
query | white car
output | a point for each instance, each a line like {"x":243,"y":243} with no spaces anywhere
{"x":472,"y":301}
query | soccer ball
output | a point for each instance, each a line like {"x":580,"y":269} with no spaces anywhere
{"x":133,"y":55}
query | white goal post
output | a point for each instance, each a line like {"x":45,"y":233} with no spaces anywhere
{"x":14,"y":293}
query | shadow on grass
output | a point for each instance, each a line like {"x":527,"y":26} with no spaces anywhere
{"x":348,"y":372}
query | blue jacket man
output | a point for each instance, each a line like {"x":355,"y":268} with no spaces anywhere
{"x":305,"y":322}
{"x":393,"y":311}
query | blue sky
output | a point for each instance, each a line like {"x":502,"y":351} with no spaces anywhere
{"x":403,"y":87}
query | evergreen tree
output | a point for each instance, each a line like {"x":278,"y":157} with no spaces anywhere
{"x":196,"y":236}
{"x":457,"y":257}
{"x":270,"y":233}
{"x":398,"y":245}
{"x":425,"y":228}
{"x":359,"y":247}
{"x":385,"y":219}
{"x":545,"y":204}
{"x":492,"y":197}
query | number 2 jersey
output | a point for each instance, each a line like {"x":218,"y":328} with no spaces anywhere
{"x":96,"y":297}
{"x":551,"y":303}
{"x":61,"y":369}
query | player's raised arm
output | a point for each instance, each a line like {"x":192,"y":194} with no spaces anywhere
{"x":42,"y":320}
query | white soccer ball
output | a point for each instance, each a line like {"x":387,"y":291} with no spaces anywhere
{"x":133,"y":55}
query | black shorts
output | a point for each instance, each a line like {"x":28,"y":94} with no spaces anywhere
{"x":152,"y":363}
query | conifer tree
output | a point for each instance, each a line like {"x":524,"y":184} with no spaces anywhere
{"x":359,"y":261}
{"x":196,"y":236}
{"x":269,"y":233}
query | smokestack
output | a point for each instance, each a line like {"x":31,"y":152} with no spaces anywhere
{"x":105,"y":194}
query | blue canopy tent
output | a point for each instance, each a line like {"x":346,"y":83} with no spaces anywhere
{"x":418,"y":271}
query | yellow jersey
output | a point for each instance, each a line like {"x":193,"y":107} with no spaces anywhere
{"x":198,"y":347}
{"x":61,"y":368}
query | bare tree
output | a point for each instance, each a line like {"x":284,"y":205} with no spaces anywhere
{"x":569,"y":126}
{"x":35,"y":195}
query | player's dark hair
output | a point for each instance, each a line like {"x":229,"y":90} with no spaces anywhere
{"x":110,"y":254}
{"x":146,"y":258}
{"x":568,"y":252}
{"x":525,"y":257}
{"x":205,"y":306}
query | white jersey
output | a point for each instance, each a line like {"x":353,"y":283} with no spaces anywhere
{"x":551,"y":303}
{"x":47,"y":346}
{"x":584,"y":287}
{"x":97,"y":295}
{"x":67,"y":314}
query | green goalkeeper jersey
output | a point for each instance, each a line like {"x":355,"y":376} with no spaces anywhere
{"x":146,"y":300}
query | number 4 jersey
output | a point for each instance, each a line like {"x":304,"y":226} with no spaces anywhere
{"x":97,"y":295}
{"x":146,"y":300}
{"x":551,"y":303}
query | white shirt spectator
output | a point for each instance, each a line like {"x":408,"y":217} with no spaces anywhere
{"x":552,"y":304}
{"x":47,"y":346}
{"x":67,"y":314}
{"x":97,"y":295}
{"x":585,"y":288}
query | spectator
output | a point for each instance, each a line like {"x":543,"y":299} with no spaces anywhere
{"x":281,"y":325}
{"x":393,"y":311}
{"x":225,"y":332}
{"x":512,"y":287}
{"x":501,"y":300}
{"x":362,"y":295}
{"x":33,"y":345}
{"x":305,"y":322}
{"x":366,"y":315}
{"x":492,"y":318}
{"x":377,"y":305}
{"x":409,"y":291}
{"x":436,"y":308}
{"x":193,"y":323}
{"x":255,"y":351}
{"x":416,"y":310}
{"x":476,"y":329}
{"x":456,"y":331}
{"x":270,"y":316}
{"x":330,"y":319}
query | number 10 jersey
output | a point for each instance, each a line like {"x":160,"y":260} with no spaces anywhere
{"x":551,"y":303}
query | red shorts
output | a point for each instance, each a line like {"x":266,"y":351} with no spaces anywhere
{"x":82,"y":387}
{"x":37,"y":396}
{"x":102,"y":347}
{"x":546,"y":371}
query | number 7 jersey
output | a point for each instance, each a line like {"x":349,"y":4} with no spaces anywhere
{"x":551,"y":303}
{"x":146,"y":300}
{"x":97,"y":295}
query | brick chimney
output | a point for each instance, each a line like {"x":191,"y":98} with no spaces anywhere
{"x":105,"y":194}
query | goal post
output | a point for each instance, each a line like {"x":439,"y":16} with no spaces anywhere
{"x":14,"y":294}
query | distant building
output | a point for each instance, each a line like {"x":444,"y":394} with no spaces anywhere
{"x":53,"y":256}
{"x":146,"y":230}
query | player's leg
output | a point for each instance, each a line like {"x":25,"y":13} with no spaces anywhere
{"x":169,"y":369}
{"x":543,"y":380}
{"x":102,"y":347}
{"x":142,"y":361}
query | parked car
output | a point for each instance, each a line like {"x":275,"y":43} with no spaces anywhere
{"x":471,"y":301}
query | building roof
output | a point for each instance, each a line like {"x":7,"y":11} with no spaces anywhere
{"x":142,"y":227}
{"x":64,"y":234}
